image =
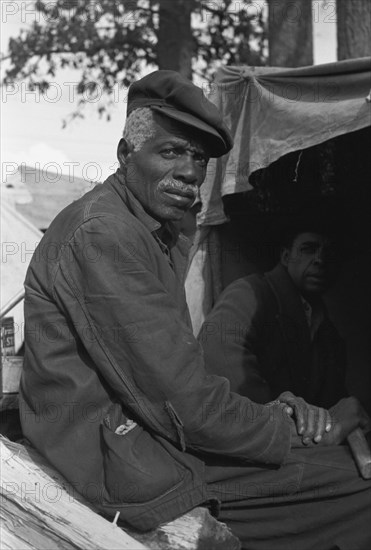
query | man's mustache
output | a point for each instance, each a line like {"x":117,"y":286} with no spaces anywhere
{"x":317,"y":273}
{"x":170,"y":184}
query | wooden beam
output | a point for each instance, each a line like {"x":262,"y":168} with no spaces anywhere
{"x":42,"y":511}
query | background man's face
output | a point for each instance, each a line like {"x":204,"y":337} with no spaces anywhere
{"x":167,"y":171}
{"x":310,"y":263}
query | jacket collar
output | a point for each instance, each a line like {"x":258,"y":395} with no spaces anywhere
{"x":117,"y":181}
{"x":167,"y":233}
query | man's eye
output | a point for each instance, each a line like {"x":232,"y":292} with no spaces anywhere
{"x":201,"y":159}
{"x":308,"y":249}
{"x":169,"y":153}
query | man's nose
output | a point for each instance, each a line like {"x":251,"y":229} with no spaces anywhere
{"x":186,"y":169}
{"x":320,"y":256}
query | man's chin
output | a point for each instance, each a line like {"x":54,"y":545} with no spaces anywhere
{"x":170,"y":214}
{"x":314,"y":289}
{"x":176,"y":216}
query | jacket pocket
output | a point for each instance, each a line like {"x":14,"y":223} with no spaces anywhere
{"x":137,"y":468}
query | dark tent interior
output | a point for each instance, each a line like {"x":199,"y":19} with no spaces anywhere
{"x":332,"y":180}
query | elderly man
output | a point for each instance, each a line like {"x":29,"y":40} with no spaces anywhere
{"x":114,"y":391}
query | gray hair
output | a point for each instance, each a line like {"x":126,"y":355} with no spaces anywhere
{"x":139,"y":127}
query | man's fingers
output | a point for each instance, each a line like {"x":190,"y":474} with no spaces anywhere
{"x":365,"y":423}
{"x":365,"y":420}
{"x":328,"y":421}
{"x":310,"y":425}
{"x":301,"y":416}
{"x":321,"y":424}
{"x":318,"y":422}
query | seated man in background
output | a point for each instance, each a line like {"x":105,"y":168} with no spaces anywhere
{"x":114,"y":392}
{"x":271,"y":335}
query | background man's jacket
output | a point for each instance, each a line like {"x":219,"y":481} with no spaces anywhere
{"x":258,"y":336}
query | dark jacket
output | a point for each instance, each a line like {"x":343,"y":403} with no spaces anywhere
{"x":258,"y":337}
{"x":108,"y":337}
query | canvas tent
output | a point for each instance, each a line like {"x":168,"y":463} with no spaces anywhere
{"x":271,"y":112}
{"x":30,"y":200}
{"x":39,"y":195}
{"x":19,"y":239}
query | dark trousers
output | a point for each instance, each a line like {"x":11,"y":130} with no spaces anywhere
{"x":317,"y":500}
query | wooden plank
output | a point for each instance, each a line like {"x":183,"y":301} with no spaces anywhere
{"x":42,"y":511}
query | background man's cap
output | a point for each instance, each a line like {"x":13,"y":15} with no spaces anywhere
{"x":176,"y":97}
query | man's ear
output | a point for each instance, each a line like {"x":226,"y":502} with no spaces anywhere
{"x":123,"y":150}
{"x":284,"y":256}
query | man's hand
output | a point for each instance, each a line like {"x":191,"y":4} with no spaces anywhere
{"x":311,"y":422}
{"x":348,"y":414}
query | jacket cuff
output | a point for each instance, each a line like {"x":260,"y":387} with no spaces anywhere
{"x":279,"y":446}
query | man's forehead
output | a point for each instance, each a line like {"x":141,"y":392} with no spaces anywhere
{"x":309,"y":237}
{"x":171,"y":131}
{"x":180,"y":141}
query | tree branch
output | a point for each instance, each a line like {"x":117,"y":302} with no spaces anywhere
{"x":206,"y":7}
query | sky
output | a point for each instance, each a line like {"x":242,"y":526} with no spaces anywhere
{"x":31,"y":124}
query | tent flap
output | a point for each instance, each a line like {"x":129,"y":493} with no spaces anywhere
{"x":272,"y":112}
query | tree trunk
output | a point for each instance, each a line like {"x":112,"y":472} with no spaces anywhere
{"x":290,"y":33}
{"x":353,"y":28}
{"x":175,"y":41}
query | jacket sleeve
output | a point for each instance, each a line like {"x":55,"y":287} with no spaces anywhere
{"x":132,"y":328}
{"x":230,"y":338}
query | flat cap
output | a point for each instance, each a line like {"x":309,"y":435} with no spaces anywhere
{"x":176,"y":97}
